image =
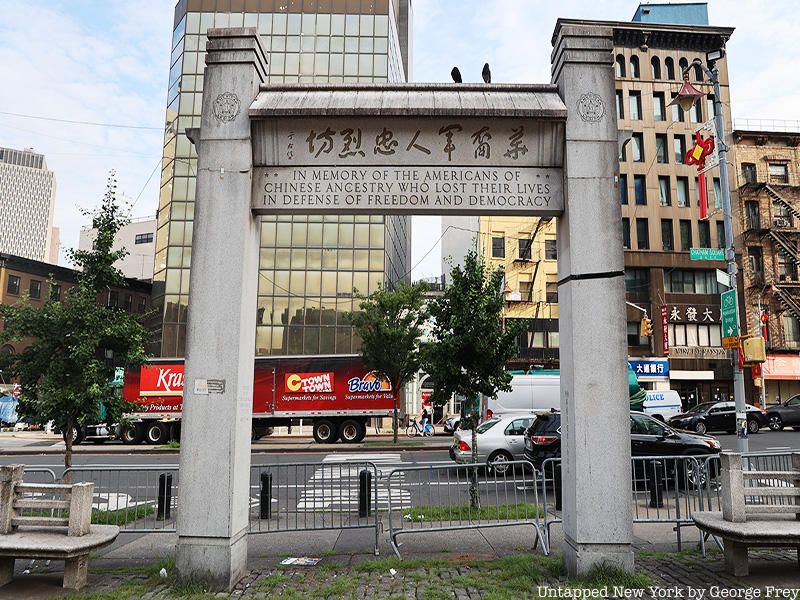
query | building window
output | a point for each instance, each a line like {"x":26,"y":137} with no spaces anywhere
{"x":720,"y":234}
{"x":695,"y":334}
{"x":551,"y":292}
{"x":623,"y":189}
{"x":661,"y":148}
{"x":636,"y":280}
{"x":791,"y":328}
{"x":35,"y":289}
{"x":663,"y":191}
{"x":525,"y":248}
{"x":686,"y":234}
{"x":498,"y":247}
{"x":633,"y":335}
{"x":637,"y":147}
{"x":677,"y":111}
{"x":752,"y":214}
{"x":55,"y":292}
{"x":642,"y":235}
{"x":619,"y":66}
{"x":685,"y":281}
{"x":640,"y":190}
{"x":13,"y":285}
{"x":635,"y":67}
{"x":787,"y":269}
{"x":778,"y":173}
{"x":142,"y":306}
{"x":143,"y":238}
{"x":711,"y":108}
{"x":669,"y":66}
{"x":749,"y":172}
{"x":655,"y":67}
{"x":626,"y":233}
{"x":682,"y":184}
{"x":717,"y":193}
{"x":667,"y":239}
{"x":696,"y":113}
{"x":128,"y":303}
{"x":704,"y":231}
{"x":659,"y":108}
{"x":679,"y":149}
{"x":551,"y":249}
{"x":620,"y":105}
{"x":113,"y":298}
{"x":755,"y":260}
{"x":635,"y":105}
{"x":698,"y":71}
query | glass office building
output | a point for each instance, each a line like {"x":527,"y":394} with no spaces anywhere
{"x":309,"y":265}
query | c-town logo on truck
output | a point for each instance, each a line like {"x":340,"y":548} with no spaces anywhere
{"x":169,"y":380}
{"x":309,"y":383}
{"x":371,"y":382}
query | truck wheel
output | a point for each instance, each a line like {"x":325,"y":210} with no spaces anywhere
{"x":349,"y":431}
{"x":156,"y":433}
{"x":77,"y":435}
{"x":362,"y":432}
{"x":325,"y":431}
{"x":132,"y":434}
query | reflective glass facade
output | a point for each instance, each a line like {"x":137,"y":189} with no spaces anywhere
{"x":309,"y":265}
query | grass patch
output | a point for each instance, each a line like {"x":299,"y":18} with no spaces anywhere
{"x":611,"y":576}
{"x":343,"y":586}
{"x":430,"y":592}
{"x":511,"y":512}
{"x":123,"y":515}
{"x":171,"y":445}
{"x":270,"y":582}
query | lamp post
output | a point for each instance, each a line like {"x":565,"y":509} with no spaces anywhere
{"x":686,"y":98}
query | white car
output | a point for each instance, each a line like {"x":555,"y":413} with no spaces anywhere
{"x":500,"y":440}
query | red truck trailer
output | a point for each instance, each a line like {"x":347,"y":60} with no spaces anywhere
{"x":335,"y":393}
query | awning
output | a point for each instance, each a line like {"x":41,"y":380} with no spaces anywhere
{"x":782,"y":366}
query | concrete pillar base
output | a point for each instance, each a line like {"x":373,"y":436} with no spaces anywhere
{"x":218,"y":562}
{"x":76,"y":572}
{"x":736,"y":562}
{"x":579,"y":559}
{"x":6,"y":570}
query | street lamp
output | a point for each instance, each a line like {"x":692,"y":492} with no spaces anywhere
{"x":686,"y":98}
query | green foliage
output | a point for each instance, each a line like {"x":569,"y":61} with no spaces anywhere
{"x":64,"y":373}
{"x":390,"y":325}
{"x":469,"y":349}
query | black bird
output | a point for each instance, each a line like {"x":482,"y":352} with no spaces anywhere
{"x":456,"y":75}
{"x":486,"y":73}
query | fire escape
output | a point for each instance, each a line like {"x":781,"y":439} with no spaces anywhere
{"x":785,"y":235}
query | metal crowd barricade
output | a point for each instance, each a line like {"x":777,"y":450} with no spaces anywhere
{"x":137,"y":498}
{"x":39,"y":475}
{"x":665,"y":489}
{"x":438,"y":498}
{"x":314,"y":496}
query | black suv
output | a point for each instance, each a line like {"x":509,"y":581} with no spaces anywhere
{"x":785,"y":415}
{"x":718,"y":416}
{"x":648,"y":438}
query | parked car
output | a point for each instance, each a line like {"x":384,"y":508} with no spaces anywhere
{"x":785,"y":415}
{"x":451,"y":424}
{"x":718,"y":416}
{"x":649,"y":437}
{"x":500,"y":440}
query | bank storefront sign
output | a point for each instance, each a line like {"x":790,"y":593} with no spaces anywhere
{"x":650,"y":369}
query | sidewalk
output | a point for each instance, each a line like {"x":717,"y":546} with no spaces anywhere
{"x":496,"y":564}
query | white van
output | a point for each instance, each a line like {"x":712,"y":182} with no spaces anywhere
{"x":662,"y":404}
{"x":529,"y":393}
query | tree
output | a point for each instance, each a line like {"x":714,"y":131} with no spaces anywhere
{"x":470,"y":343}
{"x":389,"y":325}
{"x":64,"y":373}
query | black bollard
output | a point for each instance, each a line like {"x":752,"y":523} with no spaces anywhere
{"x":364,"y":493}
{"x":164,"y":496}
{"x":266,"y":496}
{"x":557,"y":484}
{"x":654,"y":481}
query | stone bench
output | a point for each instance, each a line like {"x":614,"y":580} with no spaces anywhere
{"x":754,"y":514}
{"x":54,"y":536}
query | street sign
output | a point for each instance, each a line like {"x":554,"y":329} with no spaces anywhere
{"x":723,"y":278}
{"x":730,"y":321}
{"x":707,"y":254}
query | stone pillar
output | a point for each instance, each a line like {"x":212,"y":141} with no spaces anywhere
{"x":595,"y":430}
{"x":214,"y":494}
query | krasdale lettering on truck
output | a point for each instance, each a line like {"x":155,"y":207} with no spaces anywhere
{"x":161,"y":380}
{"x":308,"y":382}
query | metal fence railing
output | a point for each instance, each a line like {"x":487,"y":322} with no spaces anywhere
{"x":314,"y":496}
{"x":439,"y":498}
{"x":39,"y":475}
{"x":137,"y":498}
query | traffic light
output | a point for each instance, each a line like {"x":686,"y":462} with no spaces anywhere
{"x":646,"y":328}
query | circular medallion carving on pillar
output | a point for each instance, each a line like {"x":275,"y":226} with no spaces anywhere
{"x":591,"y":107}
{"x":227,"y":106}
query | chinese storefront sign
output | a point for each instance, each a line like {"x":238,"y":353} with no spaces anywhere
{"x":650,"y":369}
{"x":467,"y":166}
{"x":665,"y":328}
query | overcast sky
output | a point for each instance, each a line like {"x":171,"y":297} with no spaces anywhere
{"x":107,"y":61}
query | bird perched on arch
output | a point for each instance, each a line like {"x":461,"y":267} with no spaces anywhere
{"x":486,"y":73}
{"x":456,"y":75}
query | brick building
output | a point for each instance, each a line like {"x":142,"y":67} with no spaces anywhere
{"x":767,"y":217}
{"x":24,"y":278}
